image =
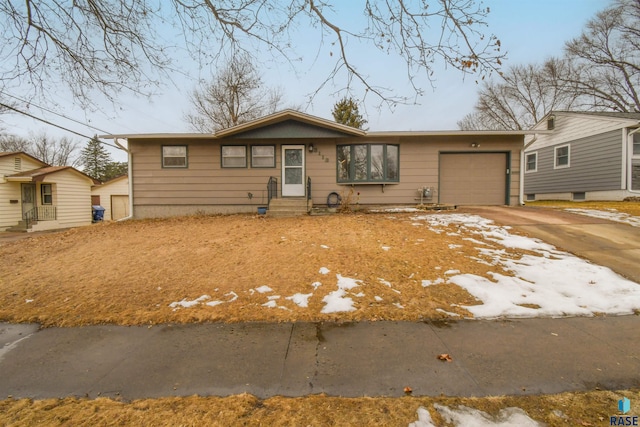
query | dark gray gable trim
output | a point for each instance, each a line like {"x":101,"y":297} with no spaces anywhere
{"x":289,"y":129}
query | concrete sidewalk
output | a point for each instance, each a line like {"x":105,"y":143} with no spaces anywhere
{"x":296,"y":359}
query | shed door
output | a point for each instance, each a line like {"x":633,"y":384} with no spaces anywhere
{"x":119,"y":207}
{"x":473,"y":178}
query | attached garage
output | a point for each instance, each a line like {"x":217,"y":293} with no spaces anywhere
{"x":474,"y":178}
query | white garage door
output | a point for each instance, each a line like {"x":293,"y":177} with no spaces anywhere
{"x":473,"y":178}
{"x":119,"y":207}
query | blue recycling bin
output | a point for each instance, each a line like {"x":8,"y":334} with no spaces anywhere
{"x":98,"y":213}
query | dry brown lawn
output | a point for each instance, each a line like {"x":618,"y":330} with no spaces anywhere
{"x":129,"y":273}
{"x":566,"y":409}
{"x":631,"y":208}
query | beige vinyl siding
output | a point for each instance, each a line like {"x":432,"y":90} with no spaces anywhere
{"x":71,"y":196}
{"x":204,"y":183}
{"x":117,"y":187}
{"x":11,"y":213}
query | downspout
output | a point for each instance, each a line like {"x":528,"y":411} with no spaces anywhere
{"x":129,"y":179}
{"x":629,"y":167}
{"x":522,"y":166}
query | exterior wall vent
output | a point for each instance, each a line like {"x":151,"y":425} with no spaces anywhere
{"x":579,"y":196}
{"x":551,"y":122}
{"x":17,"y":164}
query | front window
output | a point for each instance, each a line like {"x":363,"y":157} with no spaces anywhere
{"x":531,"y":162}
{"x":46,"y":194}
{"x":368,"y":163}
{"x":263,"y":156}
{"x":174,"y":156}
{"x":234,"y":156}
{"x":636,"y":144}
{"x":562,"y":157}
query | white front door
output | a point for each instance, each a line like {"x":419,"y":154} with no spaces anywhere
{"x":293,"y":170}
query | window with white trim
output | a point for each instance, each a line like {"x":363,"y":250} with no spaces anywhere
{"x":561,"y":156}
{"x":46,"y":194}
{"x":234,"y":156}
{"x":174,"y":156}
{"x":636,"y":144}
{"x":263,"y":156}
{"x":531,"y":162}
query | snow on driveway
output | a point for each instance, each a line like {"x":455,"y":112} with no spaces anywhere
{"x":548,"y":282}
{"x":610,"y":214}
{"x":540,"y":282}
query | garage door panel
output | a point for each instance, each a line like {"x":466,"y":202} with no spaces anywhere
{"x":473,"y":178}
{"x":119,"y":207}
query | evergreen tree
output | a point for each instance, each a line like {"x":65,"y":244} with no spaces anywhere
{"x":346,"y":112}
{"x":94,"y":159}
{"x":114,"y":170}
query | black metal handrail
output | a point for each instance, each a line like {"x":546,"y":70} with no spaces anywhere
{"x":272,"y":189}
{"x":40,"y":213}
{"x":308,"y":188}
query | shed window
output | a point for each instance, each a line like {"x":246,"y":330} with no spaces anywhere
{"x":531,"y":162}
{"x":368,"y":163}
{"x":562,"y":156}
{"x":263,"y":156}
{"x":46,"y":194}
{"x":174,"y":156}
{"x":234,"y":156}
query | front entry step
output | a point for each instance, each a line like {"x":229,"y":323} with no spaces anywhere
{"x":290,"y":206}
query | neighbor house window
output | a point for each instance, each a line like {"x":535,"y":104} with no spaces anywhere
{"x":531,"y":162}
{"x":263,"y":156}
{"x":636,"y":144}
{"x":368,"y":163}
{"x":562,"y":156}
{"x":635,"y":175}
{"x":46,"y":194}
{"x":174,"y":156}
{"x":234,"y":156}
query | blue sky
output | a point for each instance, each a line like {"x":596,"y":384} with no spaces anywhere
{"x":530,"y":31}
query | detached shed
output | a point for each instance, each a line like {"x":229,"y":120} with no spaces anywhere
{"x":113,"y":196}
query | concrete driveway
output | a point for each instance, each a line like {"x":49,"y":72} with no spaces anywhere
{"x":607,"y":243}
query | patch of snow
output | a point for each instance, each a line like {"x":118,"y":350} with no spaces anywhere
{"x":27,"y":301}
{"x":324,"y":270}
{"x":549,"y":283}
{"x":438,"y":281}
{"x":214,"y":303}
{"x":611,"y":215}
{"x":385,"y":248}
{"x":396,"y":210}
{"x":359,"y":294}
{"x":448,"y":313}
{"x":377,"y":298}
{"x":465,"y":416}
{"x":301,"y":300}
{"x":397,"y":304}
{"x":384,"y":282}
{"x":324,"y":246}
{"x":316,"y":285}
{"x":454,"y":246}
{"x":186,"y":303}
{"x":450,"y":272}
{"x":270,"y":304}
{"x":273,"y":297}
{"x":337,"y":301}
{"x":264,"y":289}
{"x":233,"y":296}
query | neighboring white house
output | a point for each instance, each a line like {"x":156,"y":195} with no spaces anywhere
{"x":585,"y":156}
{"x":35,"y":196}
{"x":113,"y":196}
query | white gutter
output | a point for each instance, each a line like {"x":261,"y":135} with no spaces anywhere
{"x":522,"y":166}
{"x":630,"y":161}
{"x":129,"y":179}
